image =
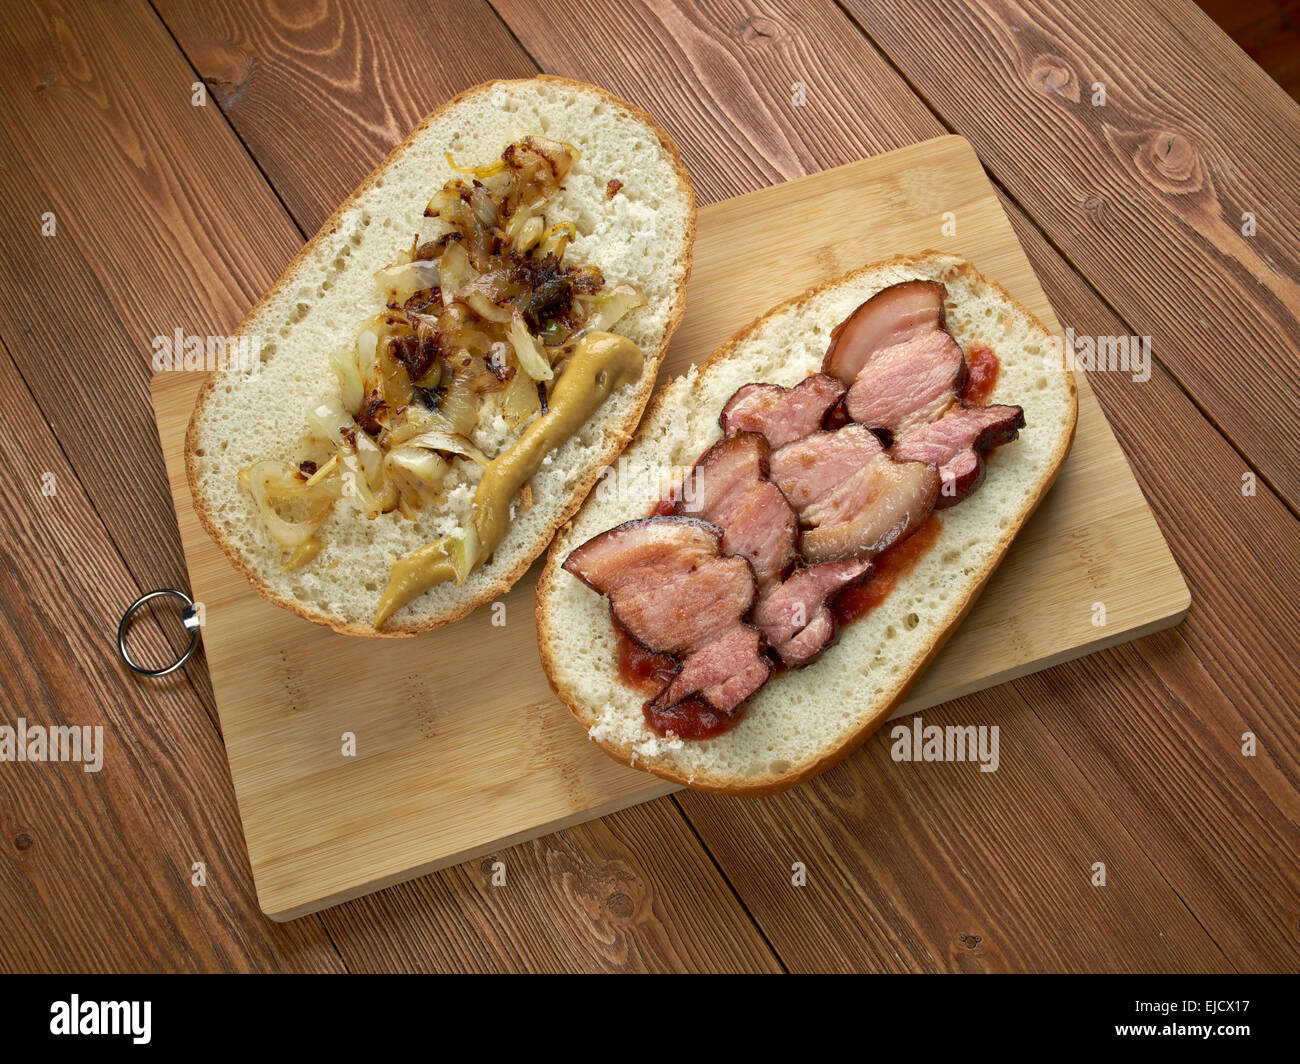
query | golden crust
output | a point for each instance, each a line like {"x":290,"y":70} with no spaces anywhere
{"x":772,"y":784}
{"x":618,"y":438}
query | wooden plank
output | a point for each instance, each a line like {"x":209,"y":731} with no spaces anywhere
{"x":321,"y":94}
{"x":1163,"y":733}
{"x":743,"y":66}
{"x":97,"y":869}
{"x":1151,"y":188}
{"x":633,"y":892}
{"x":1245,"y":627}
{"x":311,"y":817}
{"x":941,"y":867}
{"x":162,"y":222}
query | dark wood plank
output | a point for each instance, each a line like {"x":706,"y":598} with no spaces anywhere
{"x":1148,"y":192}
{"x":96,"y":867}
{"x":321,"y":93}
{"x":940,"y":867}
{"x":633,"y":892}
{"x":345,"y":58}
{"x":747,"y":63}
{"x":1244,"y":625}
{"x":163,"y":222}
{"x":723,"y":80}
{"x":1161,"y":727}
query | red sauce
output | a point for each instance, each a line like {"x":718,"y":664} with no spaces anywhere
{"x":982,"y":374}
{"x":641,"y":669}
{"x":892,"y":565}
{"x":693,"y":718}
{"x":667,"y":506}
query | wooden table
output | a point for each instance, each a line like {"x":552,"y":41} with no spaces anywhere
{"x":1171,"y":211}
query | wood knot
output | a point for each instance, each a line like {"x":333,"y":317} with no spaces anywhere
{"x":1167,"y":161}
{"x":755,"y":28}
{"x":970,"y":941}
{"x":1173,"y":155}
{"x":23,"y":841}
{"x":620,"y":905}
{"x":226,"y":68}
{"x":1053,"y":76}
{"x":1094,"y":204}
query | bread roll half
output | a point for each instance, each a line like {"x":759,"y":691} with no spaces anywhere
{"x":639,"y":232}
{"x":806,"y":720}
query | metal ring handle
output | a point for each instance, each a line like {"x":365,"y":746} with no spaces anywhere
{"x":189,"y":618}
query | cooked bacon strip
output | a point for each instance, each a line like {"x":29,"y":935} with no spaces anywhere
{"x":811,"y":468}
{"x":979,"y":428}
{"x":794,"y":616}
{"x":892,"y":316}
{"x":721,"y":675}
{"x":729,"y":487}
{"x":667,"y":582}
{"x":878,"y":506}
{"x":781,"y":414}
{"x":957,"y":444}
{"x":908,"y":385}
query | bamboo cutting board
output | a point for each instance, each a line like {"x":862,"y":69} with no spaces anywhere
{"x":460,"y":746}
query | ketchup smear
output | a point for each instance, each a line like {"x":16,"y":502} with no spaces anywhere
{"x":981,"y":374}
{"x":642,"y":669}
{"x":892,"y":565}
{"x":692,"y":718}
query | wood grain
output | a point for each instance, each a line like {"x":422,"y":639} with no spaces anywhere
{"x":96,"y":867}
{"x":762,"y":56}
{"x":1245,"y":629}
{"x":321,"y":93}
{"x":470,"y":755}
{"x":1147,"y":192}
{"x":632,"y":892}
{"x":940,"y":867}
{"x":152,"y":235}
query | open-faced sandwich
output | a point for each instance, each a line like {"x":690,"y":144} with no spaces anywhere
{"x":451,"y":361}
{"x":801,"y":522}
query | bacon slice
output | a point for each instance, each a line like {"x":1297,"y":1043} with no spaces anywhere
{"x":811,"y":468}
{"x":794,"y":616}
{"x":957,"y":444}
{"x":781,"y":414}
{"x":979,"y":428}
{"x":892,"y":316}
{"x":729,"y":487}
{"x":703,"y":698}
{"x":667,"y":582}
{"x":909,"y":384}
{"x":878,"y":506}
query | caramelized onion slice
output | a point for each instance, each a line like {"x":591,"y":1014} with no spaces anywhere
{"x":480,"y":172}
{"x":272,"y":481}
{"x":401,"y":281}
{"x":528,"y":352}
{"x":612,"y":305}
{"x":344,"y":365}
{"x":448,"y":443}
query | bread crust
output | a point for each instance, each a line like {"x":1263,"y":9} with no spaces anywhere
{"x":618,"y":436}
{"x":774,"y":783}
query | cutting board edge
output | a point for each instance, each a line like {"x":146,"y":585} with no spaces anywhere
{"x":284,"y":909}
